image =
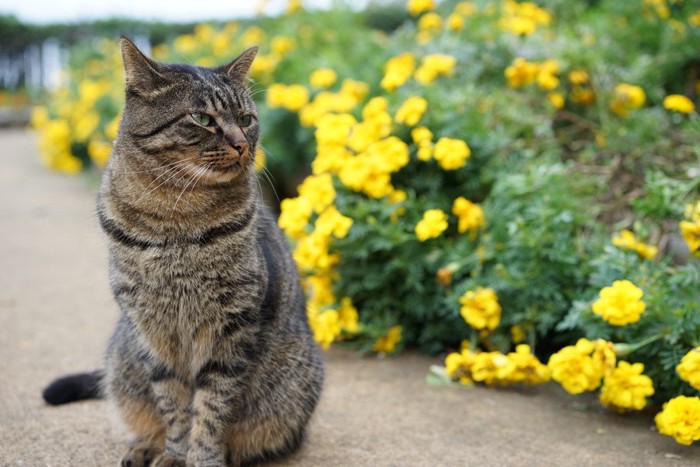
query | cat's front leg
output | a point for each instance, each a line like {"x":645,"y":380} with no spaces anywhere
{"x":218,"y":390}
{"x":172,"y":398}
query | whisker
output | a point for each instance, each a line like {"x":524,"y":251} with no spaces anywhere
{"x":173,"y":171}
{"x":200,"y":171}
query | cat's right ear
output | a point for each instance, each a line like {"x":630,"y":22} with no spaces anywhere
{"x":142,"y":74}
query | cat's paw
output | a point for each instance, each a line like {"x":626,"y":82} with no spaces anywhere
{"x":140,"y":455}
{"x":166,"y":460}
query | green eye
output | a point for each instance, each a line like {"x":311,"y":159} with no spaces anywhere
{"x":202,"y":119}
{"x":245,"y":120}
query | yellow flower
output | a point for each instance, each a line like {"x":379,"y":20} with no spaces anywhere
{"x":521,"y":72}
{"x":620,"y":304}
{"x":282,"y":45}
{"x":292,"y":97}
{"x":435,"y":65}
{"x":40,"y":116}
{"x":357,"y":90}
{"x":578,"y":77}
{"x":492,"y":368}
{"x":411,"y":110}
{"x":458,"y":365}
{"x":690,"y":231}
{"x":323,"y":78}
{"x":627,"y":97}
{"x":556,"y":99}
{"x":480,"y":309}
{"x":689,"y":368}
{"x":429,"y":22}
{"x":397,"y":71}
{"x":680,"y":418}
{"x":575,"y":369}
{"x":471,"y":216}
{"x":626,"y":388}
{"x":421,"y":135}
{"x":348,"y":318}
{"x":627,"y":241}
{"x":311,"y":253}
{"x":294,"y":216}
{"x":432,"y":225}
{"x":99,"y":151}
{"x":325,"y":327}
{"x":523,"y":18}
{"x":527,"y":368}
{"x":318,"y":189}
{"x":332,"y":222}
{"x":85,"y":125}
{"x":517,"y":334}
{"x":416,"y":7}
{"x":679,"y":103}
{"x":455,"y":22}
{"x":334,"y":129}
{"x":451,"y":153}
{"x":330,"y":159}
{"x":387,"y":343}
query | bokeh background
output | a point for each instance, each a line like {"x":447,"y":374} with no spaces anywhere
{"x":512,"y":185}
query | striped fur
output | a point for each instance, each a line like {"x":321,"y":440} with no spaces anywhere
{"x":212,"y":362}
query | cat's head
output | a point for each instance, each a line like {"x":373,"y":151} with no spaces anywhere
{"x":192,"y":121}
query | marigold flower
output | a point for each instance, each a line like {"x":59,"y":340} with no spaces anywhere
{"x":521,"y":72}
{"x":292,"y":97}
{"x":332,"y":222}
{"x":575,"y":369}
{"x":281,"y":45}
{"x":411,"y":110}
{"x":318,"y":189}
{"x":627,"y":97}
{"x":690,"y":231}
{"x":334,"y":129}
{"x":435,"y":65}
{"x":626,"y":388}
{"x":480,"y":309}
{"x":387,"y":343}
{"x":527,"y":368}
{"x":429,"y":22}
{"x":470,"y":215}
{"x":323,"y":78}
{"x":620,"y":304}
{"x":416,"y":7}
{"x":458,"y":365}
{"x":294,"y":216}
{"x":627,"y":241}
{"x":397,"y":71}
{"x":680,"y":418}
{"x":451,"y":153}
{"x":348,"y":318}
{"x":557,"y":100}
{"x":325,"y":327}
{"x":421,"y":135}
{"x":679,"y":103}
{"x":311,"y":253}
{"x":455,"y":22}
{"x":492,"y":368}
{"x":578,"y":77}
{"x":689,"y":368}
{"x":432,"y":225}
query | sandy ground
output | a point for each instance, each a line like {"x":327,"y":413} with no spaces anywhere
{"x":56,"y":314}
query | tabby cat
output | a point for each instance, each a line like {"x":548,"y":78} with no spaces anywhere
{"x":212,"y":361}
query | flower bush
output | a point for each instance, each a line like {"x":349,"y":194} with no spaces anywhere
{"x":512,"y":184}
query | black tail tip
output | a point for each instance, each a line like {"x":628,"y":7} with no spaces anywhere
{"x":73,"y":388}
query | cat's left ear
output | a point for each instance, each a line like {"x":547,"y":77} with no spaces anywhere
{"x":239,"y":68}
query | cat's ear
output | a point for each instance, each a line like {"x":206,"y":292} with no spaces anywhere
{"x":239,"y":68}
{"x":142,"y":73}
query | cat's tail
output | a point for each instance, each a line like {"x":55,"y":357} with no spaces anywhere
{"x":73,"y":388}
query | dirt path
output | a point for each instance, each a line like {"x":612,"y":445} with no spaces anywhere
{"x":56,"y":314}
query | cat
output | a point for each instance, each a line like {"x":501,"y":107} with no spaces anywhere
{"x":212,"y":361}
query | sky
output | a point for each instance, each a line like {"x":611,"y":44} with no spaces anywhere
{"x":47,"y":11}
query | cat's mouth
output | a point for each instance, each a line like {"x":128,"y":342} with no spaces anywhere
{"x":223,"y":165}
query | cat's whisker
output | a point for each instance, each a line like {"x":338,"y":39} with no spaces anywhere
{"x":173,"y":171}
{"x":197,"y":175}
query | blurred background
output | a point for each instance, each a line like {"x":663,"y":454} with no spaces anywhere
{"x":454,"y":176}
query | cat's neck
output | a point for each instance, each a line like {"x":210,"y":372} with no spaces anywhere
{"x":148,"y":202}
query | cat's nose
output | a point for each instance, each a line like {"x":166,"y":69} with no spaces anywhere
{"x":236,"y":139}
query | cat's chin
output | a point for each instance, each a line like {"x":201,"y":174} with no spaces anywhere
{"x":218,"y":177}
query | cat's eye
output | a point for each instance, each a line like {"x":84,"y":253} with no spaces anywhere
{"x":245,"y":120}
{"x":202,"y":119}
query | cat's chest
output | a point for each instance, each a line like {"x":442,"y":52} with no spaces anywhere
{"x":182,"y":298}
